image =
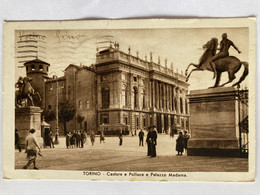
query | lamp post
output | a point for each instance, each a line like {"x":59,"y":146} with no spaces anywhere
{"x":57,"y":115}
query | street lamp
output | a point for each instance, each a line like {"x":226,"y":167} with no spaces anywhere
{"x":57,"y":115}
{"x":56,"y":109}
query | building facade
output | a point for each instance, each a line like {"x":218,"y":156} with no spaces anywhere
{"x":119,"y":92}
{"x":138,"y":93}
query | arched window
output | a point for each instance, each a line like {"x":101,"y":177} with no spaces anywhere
{"x":135,"y":97}
{"x":181,"y":105}
{"x":105,"y":97}
{"x":143,"y":94}
{"x":186,"y":106}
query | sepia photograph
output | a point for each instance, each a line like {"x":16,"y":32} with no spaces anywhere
{"x":130,"y":100}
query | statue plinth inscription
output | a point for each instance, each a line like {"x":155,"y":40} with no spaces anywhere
{"x":25,"y":119}
{"x":214,"y":122}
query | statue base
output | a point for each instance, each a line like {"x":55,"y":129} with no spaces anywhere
{"x":25,"y":119}
{"x":214,"y":122}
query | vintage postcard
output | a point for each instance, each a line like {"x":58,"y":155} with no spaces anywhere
{"x":130,"y":100}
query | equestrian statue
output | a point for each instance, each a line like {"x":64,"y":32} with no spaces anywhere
{"x":24,"y":93}
{"x":220,"y":62}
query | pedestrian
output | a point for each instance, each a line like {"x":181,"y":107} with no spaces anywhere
{"x":148,"y":141}
{"x":179,"y":144}
{"x":82,"y":139}
{"x":17,"y":140}
{"x":31,"y":144}
{"x":47,"y":141}
{"x":92,"y":137}
{"x":186,"y":136}
{"x":51,"y":139}
{"x":74,"y":138}
{"x":141,"y":138}
{"x":68,"y":140}
{"x":85,"y":137}
{"x":102,"y":137}
{"x":153,"y":138}
{"x":120,"y":138}
{"x":78,"y":139}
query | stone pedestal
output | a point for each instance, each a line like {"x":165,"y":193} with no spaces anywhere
{"x":214,"y":122}
{"x":26,"y":119}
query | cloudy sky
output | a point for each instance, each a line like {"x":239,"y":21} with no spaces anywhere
{"x":179,"y":46}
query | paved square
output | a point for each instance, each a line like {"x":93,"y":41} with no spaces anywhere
{"x":109,"y":156}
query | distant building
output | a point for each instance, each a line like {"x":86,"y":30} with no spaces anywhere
{"x":119,"y":92}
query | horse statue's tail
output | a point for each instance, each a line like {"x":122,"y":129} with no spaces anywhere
{"x":245,"y":73}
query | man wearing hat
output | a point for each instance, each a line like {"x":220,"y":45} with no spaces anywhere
{"x":224,"y":47}
{"x":153,"y":138}
{"x":31,"y":145}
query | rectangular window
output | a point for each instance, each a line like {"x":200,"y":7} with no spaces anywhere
{"x":135,"y":78}
{"x":126,"y":120}
{"x":137,"y":122}
{"x":49,"y":106}
{"x":41,"y":67}
{"x":144,"y":122}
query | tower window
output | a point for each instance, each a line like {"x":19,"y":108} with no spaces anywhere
{"x":41,"y":68}
{"x":33,"y":67}
{"x":26,"y":68}
{"x":47,"y":68}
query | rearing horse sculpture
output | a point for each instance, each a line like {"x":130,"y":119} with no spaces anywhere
{"x":228,"y":64}
{"x":25,"y":92}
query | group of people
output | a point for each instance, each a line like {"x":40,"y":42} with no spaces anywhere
{"x":182,"y":143}
{"x":77,"y":139}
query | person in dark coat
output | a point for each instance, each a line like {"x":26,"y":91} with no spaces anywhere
{"x":102,"y":137}
{"x":68,"y":140}
{"x":153,"y":138}
{"x":82,"y":139}
{"x":17,"y":140}
{"x":78,"y":139}
{"x":179,"y":144}
{"x":92,"y":137}
{"x":186,"y":136}
{"x":148,"y":141}
{"x":141,"y":138}
{"x":51,"y":139}
{"x":120,"y":138}
{"x":74,"y":139}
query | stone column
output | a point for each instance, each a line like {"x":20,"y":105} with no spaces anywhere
{"x":130,"y":90}
{"x":169,"y":124}
{"x":160,"y":95}
{"x":178,"y":100}
{"x":162,"y":120}
{"x":153,"y":94}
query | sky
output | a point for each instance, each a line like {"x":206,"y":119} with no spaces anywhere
{"x":179,"y":46}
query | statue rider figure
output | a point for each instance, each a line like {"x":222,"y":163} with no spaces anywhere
{"x":224,"y":47}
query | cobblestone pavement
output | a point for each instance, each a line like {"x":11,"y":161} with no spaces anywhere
{"x":109,"y":156}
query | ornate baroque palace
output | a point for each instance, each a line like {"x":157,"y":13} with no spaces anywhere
{"x":119,"y":92}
